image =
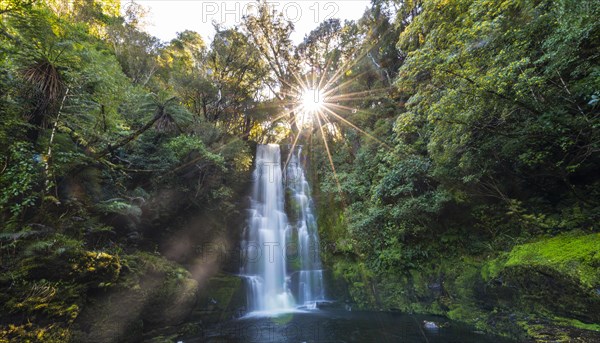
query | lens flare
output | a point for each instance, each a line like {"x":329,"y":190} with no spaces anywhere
{"x":312,"y":100}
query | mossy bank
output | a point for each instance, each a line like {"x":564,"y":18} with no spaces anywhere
{"x":547,"y":290}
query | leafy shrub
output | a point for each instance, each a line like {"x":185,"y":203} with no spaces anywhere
{"x":19,"y":180}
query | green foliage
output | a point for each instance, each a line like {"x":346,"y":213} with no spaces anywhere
{"x":102,"y":122}
{"x":359,"y":279}
{"x":120,"y":207}
{"x":489,"y":141}
{"x":19,"y":181}
{"x":184,"y":145}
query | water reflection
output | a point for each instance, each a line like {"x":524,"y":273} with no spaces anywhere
{"x":342,"y":326}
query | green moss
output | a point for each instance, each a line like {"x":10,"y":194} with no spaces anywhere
{"x":29,"y":332}
{"x":96,"y":268}
{"x":168,"y":289}
{"x":559,"y":330}
{"x":552,"y":280}
{"x":58,"y":300}
{"x":577,"y":324}
{"x":294,"y":264}
{"x":492,"y":268}
{"x":151,"y":292}
{"x":572,"y":254}
{"x":540,"y":334}
{"x":141,"y":262}
{"x":359,"y":279}
{"x":468,"y":314}
{"x":221,"y":298}
{"x":222,"y":288}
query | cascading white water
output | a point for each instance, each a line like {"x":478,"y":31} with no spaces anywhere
{"x":309,"y":281}
{"x":269,"y":235}
{"x":265,"y":263}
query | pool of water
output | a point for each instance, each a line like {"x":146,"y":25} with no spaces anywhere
{"x":337,"y":325}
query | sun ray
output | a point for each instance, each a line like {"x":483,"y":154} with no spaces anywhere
{"x":356,"y":127}
{"x":348,"y":64}
{"x":344,"y":67}
{"x":342,"y":107}
{"x":324,"y":76}
{"x":337,"y":181}
{"x":344,"y":84}
{"x":355,"y":94}
{"x":291,"y":151}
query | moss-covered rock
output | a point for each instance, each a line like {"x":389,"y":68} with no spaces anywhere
{"x":222,"y":298}
{"x":45,"y":299}
{"x":154,"y":292}
{"x":48,"y":284}
{"x":29,"y":332}
{"x":174,"y":296}
{"x":573,"y":255}
{"x":559,"y":275}
{"x":546,"y":291}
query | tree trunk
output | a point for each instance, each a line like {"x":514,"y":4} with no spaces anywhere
{"x":49,"y":152}
{"x":110,"y":148}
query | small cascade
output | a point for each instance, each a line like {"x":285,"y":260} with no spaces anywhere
{"x":309,"y":282}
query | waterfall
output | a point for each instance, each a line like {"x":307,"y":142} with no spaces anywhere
{"x":265,"y":262}
{"x":281,"y":260}
{"x":309,"y":280}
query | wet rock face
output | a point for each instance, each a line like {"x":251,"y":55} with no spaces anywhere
{"x":431,"y":326}
{"x":550,"y":283}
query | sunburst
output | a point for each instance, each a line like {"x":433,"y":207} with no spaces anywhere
{"x":312,"y":100}
{"x":320,"y":102}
